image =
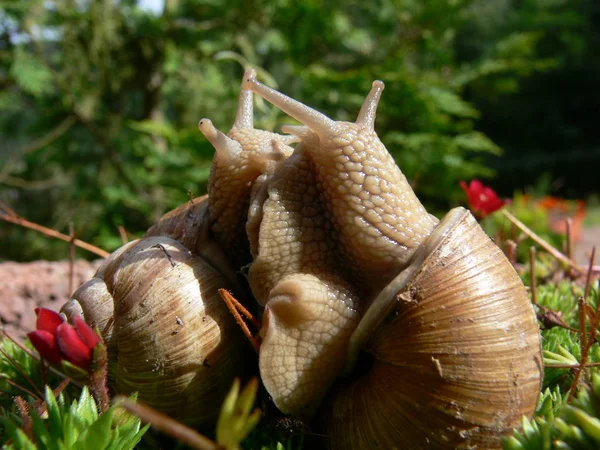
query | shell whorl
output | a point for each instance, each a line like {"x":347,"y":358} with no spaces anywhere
{"x":169,"y":335}
{"x":456,"y":364}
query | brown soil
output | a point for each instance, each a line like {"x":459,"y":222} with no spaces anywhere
{"x":25,"y":286}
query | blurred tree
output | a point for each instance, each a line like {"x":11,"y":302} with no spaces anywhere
{"x":100,"y":99}
{"x":544,"y":115}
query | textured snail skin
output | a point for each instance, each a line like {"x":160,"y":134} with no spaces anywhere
{"x":338,"y":209}
{"x":310,"y":309}
{"x":240,"y":158}
{"x":378,"y":220}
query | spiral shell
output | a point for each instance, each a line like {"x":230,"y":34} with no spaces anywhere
{"x":458,"y":361}
{"x":172,"y":337}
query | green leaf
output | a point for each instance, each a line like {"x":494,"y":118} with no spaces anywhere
{"x":41,"y":433}
{"x":512,"y":443}
{"x":86,"y":409}
{"x":235,"y":420}
{"x":129,"y":438}
{"x":31,"y":75}
{"x":563,"y":357}
{"x":55,"y":422}
{"x":70,"y":428}
{"x":451,"y":103}
{"x":589,"y":425}
{"x":72,"y":371}
{"x":97,"y":435}
{"x":477,"y":142}
{"x":20,"y":439}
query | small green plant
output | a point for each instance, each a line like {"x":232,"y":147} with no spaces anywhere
{"x":560,"y":425}
{"x":568,"y":414}
{"x":20,"y":374}
{"x":237,"y":418}
{"x":61,"y":425}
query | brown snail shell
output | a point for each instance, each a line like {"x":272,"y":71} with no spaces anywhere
{"x":94,"y":304}
{"x":92,"y":299}
{"x":172,"y":337}
{"x":452,"y":366}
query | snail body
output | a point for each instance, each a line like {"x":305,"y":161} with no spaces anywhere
{"x":347,"y":267}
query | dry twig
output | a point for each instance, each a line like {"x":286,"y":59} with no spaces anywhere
{"x":168,"y":425}
{"x":235,"y":308}
{"x":546,"y":246}
{"x":8,"y":215}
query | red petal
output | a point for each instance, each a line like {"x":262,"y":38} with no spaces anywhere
{"x":72,"y":347}
{"x":473,"y":194}
{"x":476,"y":186}
{"x":482,"y":199}
{"x":45,"y":344}
{"x":87,"y":334}
{"x":489,"y":193}
{"x":492,"y":202}
{"x":48,"y":320}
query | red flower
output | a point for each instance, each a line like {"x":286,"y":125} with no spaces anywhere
{"x":57,"y":340}
{"x":482,"y":199}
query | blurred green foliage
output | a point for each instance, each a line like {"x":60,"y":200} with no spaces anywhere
{"x":544,"y":115}
{"x":99,"y":100}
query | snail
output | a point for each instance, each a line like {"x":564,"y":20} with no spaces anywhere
{"x":169,"y":336}
{"x":391,"y":327}
{"x":451,"y":339}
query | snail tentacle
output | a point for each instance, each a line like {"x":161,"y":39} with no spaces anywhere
{"x":245,"y":112}
{"x":308,"y":116}
{"x":241,"y":157}
{"x":368,"y":111}
{"x":226,"y":148}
